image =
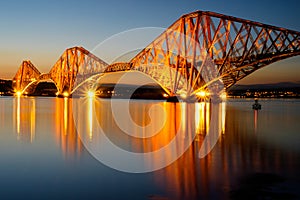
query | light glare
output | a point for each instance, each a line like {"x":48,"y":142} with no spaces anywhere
{"x":91,"y":94}
{"x":202,"y":94}
{"x":18,"y":93}
{"x":66,"y":94}
{"x":223,"y":96}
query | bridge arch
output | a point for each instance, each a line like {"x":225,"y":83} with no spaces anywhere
{"x":73,"y":67}
{"x":34,"y":88}
{"x":145,"y":79}
{"x":26,"y":74}
{"x":171,"y":80}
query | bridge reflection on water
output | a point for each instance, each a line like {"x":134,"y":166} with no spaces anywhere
{"x":201,"y":51}
{"x":28,"y":111}
{"x":238,"y":152}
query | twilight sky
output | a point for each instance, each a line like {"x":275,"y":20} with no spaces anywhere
{"x":41,"y":30}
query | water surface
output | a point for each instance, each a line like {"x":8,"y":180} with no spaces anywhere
{"x":42,"y":155}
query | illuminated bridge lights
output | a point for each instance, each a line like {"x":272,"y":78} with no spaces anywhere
{"x":202,"y":94}
{"x":66,"y":94}
{"x":18,"y":93}
{"x":223,"y":96}
{"x":90,"y":94}
{"x":165,"y":95}
{"x":233,"y":49}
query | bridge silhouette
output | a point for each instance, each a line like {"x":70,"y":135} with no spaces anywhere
{"x":200,"y":51}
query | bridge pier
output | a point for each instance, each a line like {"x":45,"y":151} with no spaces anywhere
{"x":173,"y":99}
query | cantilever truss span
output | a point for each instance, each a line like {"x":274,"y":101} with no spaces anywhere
{"x":73,"y":67}
{"x":26,"y":74}
{"x":207,"y":49}
{"x":201,"y":50}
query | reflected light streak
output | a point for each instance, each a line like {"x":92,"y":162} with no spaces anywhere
{"x":180,"y":177}
{"x":90,"y":117}
{"x":183,"y":117}
{"x":255,"y":120}
{"x":223,"y":114}
{"x":200,"y":117}
{"x":65,"y":129}
{"x":24,"y":118}
{"x":32,"y":122}
{"x":207,"y":117}
{"x":179,"y":120}
{"x":65,"y":115}
{"x":18,"y":117}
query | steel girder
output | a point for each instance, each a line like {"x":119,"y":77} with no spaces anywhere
{"x":73,"y":67}
{"x":26,"y":74}
{"x":200,"y":50}
{"x":207,"y":48}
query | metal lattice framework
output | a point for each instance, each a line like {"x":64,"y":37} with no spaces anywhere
{"x":207,"y":48}
{"x":117,"y":67}
{"x":201,"y":50}
{"x":73,"y":67}
{"x":26,"y":74}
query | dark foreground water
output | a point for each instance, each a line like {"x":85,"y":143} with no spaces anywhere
{"x":43,"y":153}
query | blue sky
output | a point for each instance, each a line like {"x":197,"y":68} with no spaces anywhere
{"x":42,"y":30}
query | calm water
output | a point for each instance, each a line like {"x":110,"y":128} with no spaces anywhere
{"x":43,"y":153}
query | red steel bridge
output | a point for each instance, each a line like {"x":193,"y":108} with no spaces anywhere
{"x":201,"y":50}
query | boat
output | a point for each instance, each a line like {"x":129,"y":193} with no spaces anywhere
{"x":256,"y":105}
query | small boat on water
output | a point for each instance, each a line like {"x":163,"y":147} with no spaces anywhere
{"x":256,"y":105}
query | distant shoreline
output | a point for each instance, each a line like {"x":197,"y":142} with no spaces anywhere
{"x":276,"y":90}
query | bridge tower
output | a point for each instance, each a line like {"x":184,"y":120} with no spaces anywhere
{"x":200,"y":51}
{"x":26,"y":74}
{"x":73,"y":67}
{"x":209,"y":50}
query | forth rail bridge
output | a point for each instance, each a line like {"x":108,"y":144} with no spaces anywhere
{"x":201,"y":51}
